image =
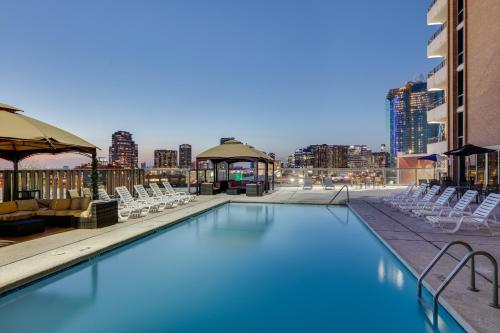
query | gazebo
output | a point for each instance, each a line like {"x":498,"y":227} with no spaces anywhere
{"x":233,"y":151}
{"x":22,"y":137}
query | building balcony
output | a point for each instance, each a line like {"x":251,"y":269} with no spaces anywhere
{"x":437,"y":46}
{"x":437,"y":79}
{"x":437,"y":13}
{"x":435,"y":146}
{"x":438,"y":112}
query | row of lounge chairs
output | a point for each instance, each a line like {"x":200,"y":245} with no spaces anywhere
{"x":161,"y":199}
{"x":440,"y":213}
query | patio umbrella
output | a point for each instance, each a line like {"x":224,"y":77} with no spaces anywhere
{"x":468,"y":150}
{"x":22,"y":137}
{"x":434,"y":158}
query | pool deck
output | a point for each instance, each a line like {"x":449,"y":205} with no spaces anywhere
{"x":413,"y":241}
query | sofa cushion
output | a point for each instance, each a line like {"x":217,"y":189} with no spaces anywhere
{"x":84,"y":203}
{"x":43,"y":203}
{"x":8,"y":207}
{"x":31,"y":204}
{"x":68,"y":212}
{"x":16,"y":216}
{"x":76,"y":203}
{"x":60,"y":204}
{"x":45,"y":212}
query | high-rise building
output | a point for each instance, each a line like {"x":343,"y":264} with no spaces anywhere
{"x":380,"y":159}
{"x":329,"y":156}
{"x":303,"y":158}
{"x":467,"y":43}
{"x":359,"y":156}
{"x":185,"y":156}
{"x":223,"y":140}
{"x":165,"y":158}
{"x":123,"y":151}
{"x":406,"y":109}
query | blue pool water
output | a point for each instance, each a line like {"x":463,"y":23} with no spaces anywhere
{"x":236,"y":268}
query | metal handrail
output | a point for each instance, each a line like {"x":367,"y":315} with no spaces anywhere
{"x":457,"y":269}
{"x":436,"y":259}
{"x":337,"y":194}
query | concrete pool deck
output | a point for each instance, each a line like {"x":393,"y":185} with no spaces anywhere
{"x":414,"y":242}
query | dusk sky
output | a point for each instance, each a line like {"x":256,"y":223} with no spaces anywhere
{"x":277,"y":74}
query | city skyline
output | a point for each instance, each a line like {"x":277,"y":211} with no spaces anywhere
{"x":287,"y":66}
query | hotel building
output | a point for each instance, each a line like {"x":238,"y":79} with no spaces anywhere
{"x":468,"y":44}
{"x":185,"y":156}
{"x":123,"y":151}
{"x":164,"y":158}
{"x":407,"y":117}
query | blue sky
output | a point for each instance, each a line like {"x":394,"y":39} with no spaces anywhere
{"x":277,"y":74}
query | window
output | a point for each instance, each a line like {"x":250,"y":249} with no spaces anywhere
{"x":460,"y":124}
{"x":460,"y":46}
{"x":460,"y":11}
{"x":460,"y":88}
{"x":493,"y":168}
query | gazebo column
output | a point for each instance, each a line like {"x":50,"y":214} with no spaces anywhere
{"x":256,"y":171}
{"x":94,"y":176}
{"x":15,"y":179}
{"x":266,"y":178}
{"x":273,"y":178}
{"x":197,"y":181}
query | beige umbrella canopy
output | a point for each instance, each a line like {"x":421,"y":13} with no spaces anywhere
{"x":233,"y":149}
{"x":22,"y":136}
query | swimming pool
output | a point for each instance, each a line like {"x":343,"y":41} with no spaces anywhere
{"x":235,"y":268}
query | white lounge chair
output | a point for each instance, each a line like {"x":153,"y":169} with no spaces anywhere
{"x":169,"y":199}
{"x":421,"y":202}
{"x":123,"y":211}
{"x":433,"y":208}
{"x":478,"y":218}
{"x":458,"y":210}
{"x":328,"y":183}
{"x":412,"y":198}
{"x":156,"y":203}
{"x":139,"y":208}
{"x":404,"y":194}
{"x":170,"y":190}
{"x":308,"y":183}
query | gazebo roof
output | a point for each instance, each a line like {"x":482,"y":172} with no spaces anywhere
{"x":233,"y":150}
{"x":24,"y":136}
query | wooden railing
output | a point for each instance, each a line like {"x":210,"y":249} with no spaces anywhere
{"x":54,"y":183}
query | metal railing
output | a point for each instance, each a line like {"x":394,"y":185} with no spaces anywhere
{"x":435,"y":103}
{"x":337,"y":194}
{"x":437,"y":68}
{"x":469,"y":256}
{"x":54,"y":183}
{"x":435,"y":34}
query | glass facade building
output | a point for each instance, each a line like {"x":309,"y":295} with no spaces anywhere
{"x":406,"y":118}
{"x":123,"y":151}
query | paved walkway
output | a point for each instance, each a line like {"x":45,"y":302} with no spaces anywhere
{"x":413,"y":241}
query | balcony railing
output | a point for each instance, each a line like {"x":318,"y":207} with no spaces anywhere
{"x":436,"y":139}
{"x":431,"y":5}
{"x":435,"y":34}
{"x":437,"y":68}
{"x":438,"y":102}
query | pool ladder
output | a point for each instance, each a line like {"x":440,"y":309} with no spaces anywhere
{"x":337,"y":194}
{"x":471,"y":254}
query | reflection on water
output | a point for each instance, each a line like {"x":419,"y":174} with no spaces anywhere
{"x":387,"y":272}
{"x":243,"y":225}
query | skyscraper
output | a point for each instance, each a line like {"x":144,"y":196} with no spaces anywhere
{"x":329,"y":156}
{"x":123,"y":151}
{"x":185,"y":156}
{"x":359,"y":156}
{"x":223,"y":140}
{"x":165,"y":158}
{"x":406,"y":109}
